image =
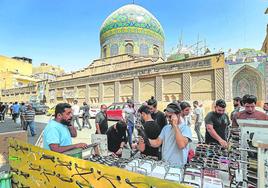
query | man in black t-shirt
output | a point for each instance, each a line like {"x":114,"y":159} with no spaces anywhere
{"x":116,"y":136}
{"x":151,"y":130}
{"x":158,"y":116}
{"x":216,"y":124}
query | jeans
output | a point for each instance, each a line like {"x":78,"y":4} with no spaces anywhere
{"x":86,"y":121}
{"x":76,"y":118}
{"x":15,"y":116}
{"x":198,"y":133}
{"x":130,"y":127}
{"x":22,"y":122}
{"x":31,"y":125}
{"x":2,"y":117}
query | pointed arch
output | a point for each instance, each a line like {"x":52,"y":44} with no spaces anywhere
{"x":247,"y":80}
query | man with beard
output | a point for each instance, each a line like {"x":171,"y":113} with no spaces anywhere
{"x":158,"y":116}
{"x":250,"y":112}
{"x":216,"y":125}
{"x":237,"y":102}
{"x":151,"y":131}
{"x":58,"y":132}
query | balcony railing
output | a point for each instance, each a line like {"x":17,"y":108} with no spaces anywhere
{"x":20,"y":90}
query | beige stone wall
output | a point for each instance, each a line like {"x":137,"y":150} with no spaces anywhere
{"x":81,"y":92}
{"x":94,"y":94}
{"x":172,"y":87}
{"x":108,"y":96}
{"x":59,"y":95}
{"x":147,"y":88}
{"x":126,"y":90}
{"x":110,"y":64}
{"x":202,"y":86}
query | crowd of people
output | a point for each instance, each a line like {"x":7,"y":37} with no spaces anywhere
{"x":22,"y":114}
{"x":163,"y":135}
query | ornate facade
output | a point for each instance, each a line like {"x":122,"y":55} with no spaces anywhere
{"x":191,"y":79}
{"x":247,"y":74}
{"x":132,"y":29}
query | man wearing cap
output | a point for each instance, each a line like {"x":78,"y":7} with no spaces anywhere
{"x":174,"y":137}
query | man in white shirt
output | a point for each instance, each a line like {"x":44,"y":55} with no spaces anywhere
{"x":76,"y":113}
{"x":199,"y":117}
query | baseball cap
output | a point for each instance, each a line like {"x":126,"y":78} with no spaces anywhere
{"x":173,"y":107}
{"x":130,"y":101}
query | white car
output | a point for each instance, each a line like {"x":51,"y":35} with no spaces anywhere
{"x":92,"y":112}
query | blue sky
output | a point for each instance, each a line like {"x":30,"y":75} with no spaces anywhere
{"x":66,"y":32}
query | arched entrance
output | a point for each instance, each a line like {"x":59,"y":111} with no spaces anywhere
{"x":247,"y":80}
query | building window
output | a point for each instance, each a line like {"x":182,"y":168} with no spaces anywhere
{"x":129,"y":48}
{"x":114,"y":50}
{"x":156,"y":51}
{"x":144,"y":50}
{"x":104,"y":52}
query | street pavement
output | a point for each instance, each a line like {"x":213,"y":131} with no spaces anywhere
{"x":9,"y":126}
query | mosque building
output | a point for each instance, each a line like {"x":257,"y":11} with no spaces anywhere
{"x":133,"y":64}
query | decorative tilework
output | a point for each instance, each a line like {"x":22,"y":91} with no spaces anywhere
{"x":132,"y":16}
{"x":186,"y":80}
{"x":131,"y":23}
{"x":219,"y":83}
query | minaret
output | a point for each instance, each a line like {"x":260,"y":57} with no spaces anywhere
{"x":265,"y":42}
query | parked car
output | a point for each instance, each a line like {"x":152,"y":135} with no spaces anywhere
{"x":40,"y":108}
{"x":115,"y":110}
{"x":93,"y":112}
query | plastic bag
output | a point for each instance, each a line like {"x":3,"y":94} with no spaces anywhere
{"x":18,"y":121}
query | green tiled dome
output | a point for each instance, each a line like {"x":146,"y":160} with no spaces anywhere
{"x":131,"y":19}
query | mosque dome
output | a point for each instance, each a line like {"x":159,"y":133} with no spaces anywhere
{"x":134,"y":30}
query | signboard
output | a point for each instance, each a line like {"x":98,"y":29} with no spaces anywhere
{"x":102,"y":139}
